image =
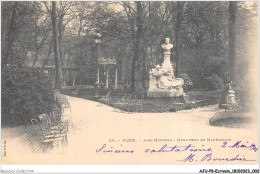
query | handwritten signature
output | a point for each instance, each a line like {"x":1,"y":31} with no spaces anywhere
{"x":209,"y":157}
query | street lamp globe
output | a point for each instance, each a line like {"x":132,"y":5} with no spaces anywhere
{"x":98,"y":36}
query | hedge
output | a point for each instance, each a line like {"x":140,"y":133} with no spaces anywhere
{"x":26,"y":93}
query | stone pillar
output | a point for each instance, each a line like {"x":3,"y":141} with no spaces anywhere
{"x":115,"y":78}
{"x":74,"y":78}
{"x":106,"y":78}
{"x":97,"y":75}
{"x":96,"y":84}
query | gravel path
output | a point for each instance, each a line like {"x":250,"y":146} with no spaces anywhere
{"x":94,"y":125}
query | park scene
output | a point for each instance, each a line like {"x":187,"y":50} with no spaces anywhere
{"x":75,"y":74}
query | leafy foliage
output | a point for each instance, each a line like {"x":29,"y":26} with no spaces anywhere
{"x":214,"y":82}
{"x":187,"y":81}
{"x":201,"y":26}
{"x":26,"y":93}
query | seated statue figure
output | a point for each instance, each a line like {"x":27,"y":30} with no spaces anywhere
{"x":166,"y":79}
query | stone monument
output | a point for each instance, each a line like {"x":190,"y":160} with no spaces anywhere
{"x":162,"y":82}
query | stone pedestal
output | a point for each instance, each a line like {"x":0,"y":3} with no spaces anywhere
{"x":157,"y":93}
{"x":167,"y":65}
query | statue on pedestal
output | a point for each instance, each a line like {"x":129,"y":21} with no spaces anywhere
{"x":162,"y":81}
{"x":167,"y":46}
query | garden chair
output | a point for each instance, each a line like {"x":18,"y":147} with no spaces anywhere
{"x":65,"y":105}
{"x":132,"y":103}
{"x":188,"y":104}
{"x":55,"y":116}
{"x":65,"y":116}
{"x":129,"y":103}
{"x":45,"y":120}
{"x":105,"y":99}
{"x":56,"y":95}
{"x":139,"y":103}
{"x":121,"y":103}
{"x":193,"y":99}
{"x":50,"y":134}
{"x":48,"y":123}
{"x":205,"y":99}
{"x":177,"y":104}
{"x":209,"y":98}
{"x":162,"y":109}
{"x":76,"y":92}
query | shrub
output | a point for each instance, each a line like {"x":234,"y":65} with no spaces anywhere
{"x":26,"y":93}
{"x":214,"y":68}
{"x":214,"y":82}
{"x":187,"y":81}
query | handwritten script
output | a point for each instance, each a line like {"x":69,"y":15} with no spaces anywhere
{"x":192,"y":150}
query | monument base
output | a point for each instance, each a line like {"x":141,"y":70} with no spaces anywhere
{"x":157,"y":93}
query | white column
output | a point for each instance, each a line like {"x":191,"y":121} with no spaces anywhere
{"x":74,"y":77}
{"x":116,"y":77}
{"x":98,"y":75}
{"x":106,"y":78}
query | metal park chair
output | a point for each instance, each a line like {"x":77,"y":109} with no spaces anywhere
{"x":65,"y":116}
{"x":189,"y":103}
{"x":51,"y":121}
{"x":121,"y":103}
{"x":193,"y":99}
{"x":65,"y":105}
{"x":105,"y":99}
{"x":203,"y":99}
{"x":45,"y":120}
{"x":52,"y":133}
{"x":55,"y":116}
{"x":139,"y":103}
{"x":129,"y":102}
{"x":177,"y":104}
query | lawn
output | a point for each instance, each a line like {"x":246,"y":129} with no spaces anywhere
{"x":138,"y":102}
{"x":235,"y":118}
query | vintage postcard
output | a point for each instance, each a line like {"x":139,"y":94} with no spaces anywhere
{"x":129,"y":82}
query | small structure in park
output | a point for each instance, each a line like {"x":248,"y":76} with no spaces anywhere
{"x":107,"y":63}
{"x":162,"y":82}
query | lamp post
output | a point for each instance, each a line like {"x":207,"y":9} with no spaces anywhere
{"x":96,"y":84}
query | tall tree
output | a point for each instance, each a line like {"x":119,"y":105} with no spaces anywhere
{"x":58,"y":75}
{"x":7,"y":38}
{"x":232,"y":38}
{"x":179,"y":17}
{"x":137,"y":43}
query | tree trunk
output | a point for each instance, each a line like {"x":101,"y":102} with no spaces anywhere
{"x":7,"y":46}
{"x":68,"y":60}
{"x":144,"y":67}
{"x":58,"y":75}
{"x":232,"y":39}
{"x":177,"y":35}
{"x":49,"y":53}
{"x":38,"y":47}
{"x":137,"y":44}
{"x":60,"y":38}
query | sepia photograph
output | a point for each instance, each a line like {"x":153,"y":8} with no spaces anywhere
{"x":129,"y":82}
